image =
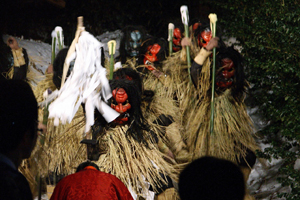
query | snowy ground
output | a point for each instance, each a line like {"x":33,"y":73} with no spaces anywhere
{"x":262,"y":181}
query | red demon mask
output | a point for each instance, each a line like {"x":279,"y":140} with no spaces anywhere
{"x":225,"y":76}
{"x":121,"y":104}
{"x":151,"y":56}
{"x":196,"y":25}
{"x":177,"y":39}
{"x":204,"y":38}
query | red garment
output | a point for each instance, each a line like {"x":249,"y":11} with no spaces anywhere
{"x":90,"y":184}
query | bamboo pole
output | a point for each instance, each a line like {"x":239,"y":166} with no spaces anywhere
{"x":213,"y":23}
{"x":111,"y":50}
{"x":185,"y":20}
{"x":170,"y":38}
{"x":80,"y":29}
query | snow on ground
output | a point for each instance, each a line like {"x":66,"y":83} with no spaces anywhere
{"x":262,"y":181}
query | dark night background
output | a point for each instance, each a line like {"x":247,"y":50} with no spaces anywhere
{"x":35,"y":19}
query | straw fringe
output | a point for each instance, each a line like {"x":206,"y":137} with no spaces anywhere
{"x":164,"y":103}
{"x":233,"y":128}
{"x":27,"y":172}
{"x":62,"y":144}
{"x":43,"y":85}
{"x":61,"y":151}
{"x":133,"y":162}
{"x":34,"y":75}
{"x":169,"y":194}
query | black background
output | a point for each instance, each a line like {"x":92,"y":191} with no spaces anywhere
{"x":35,"y":19}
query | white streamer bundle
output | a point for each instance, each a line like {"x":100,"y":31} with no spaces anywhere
{"x":171,"y":31}
{"x":86,"y":83}
{"x":58,"y":31}
{"x":184,"y":15}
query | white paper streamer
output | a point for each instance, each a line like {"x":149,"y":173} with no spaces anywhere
{"x":171,"y":31}
{"x":84,"y":85}
{"x":54,"y":34}
{"x":184,"y":15}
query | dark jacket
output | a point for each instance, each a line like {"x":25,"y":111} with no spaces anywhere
{"x":13,"y":185}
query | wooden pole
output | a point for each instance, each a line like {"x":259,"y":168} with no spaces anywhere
{"x":185,"y":21}
{"x":79,"y":30}
{"x":213,"y":23}
{"x":111,"y":50}
{"x":170,"y":38}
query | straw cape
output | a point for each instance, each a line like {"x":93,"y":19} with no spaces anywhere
{"x":137,"y":165}
{"x":61,"y":150}
{"x":164,"y":103}
{"x":233,"y":127}
{"x":152,"y":108}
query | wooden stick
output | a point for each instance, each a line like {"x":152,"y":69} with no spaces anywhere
{"x":111,"y":50}
{"x":53,"y":50}
{"x":213,"y":23}
{"x":71,"y":50}
{"x":170,"y":38}
{"x":185,"y":20}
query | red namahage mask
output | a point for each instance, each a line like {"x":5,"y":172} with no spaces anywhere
{"x":225,"y":77}
{"x":121,"y":105}
{"x":150,"y":56}
{"x":177,"y":39}
{"x":196,"y":25}
{"x":205,"y":38}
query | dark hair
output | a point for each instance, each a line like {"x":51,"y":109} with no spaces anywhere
{"x":85,"y":164}
{"x":161,"y":55}
{"x":240,"y":84}
{"x":18,"y":113}
{"x":125,"y":73}
{"x":210,"y":178}
{"x":137,"y":122}
{"x":58,"y":66}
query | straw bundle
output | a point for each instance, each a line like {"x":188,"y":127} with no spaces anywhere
{"x":134,"y":163}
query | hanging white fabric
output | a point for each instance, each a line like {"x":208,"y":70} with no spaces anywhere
{"x":86,"y":84}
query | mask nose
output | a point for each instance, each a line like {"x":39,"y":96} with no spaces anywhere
{"x":120,"y":108}
{"x":135,"y":45}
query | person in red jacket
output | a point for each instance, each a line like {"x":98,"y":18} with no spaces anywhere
{"x":88,"y":183}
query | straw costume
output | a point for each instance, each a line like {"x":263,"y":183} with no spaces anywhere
{"x":162,"y":110}
{"x":232,"y":135}
{"x":232,"y":138}
{"x":62,"y":150}
{"x":129,"y":144}
{"x":233,"y":127}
